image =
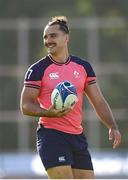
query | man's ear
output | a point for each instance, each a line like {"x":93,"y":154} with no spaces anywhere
{"x":67,"y":37}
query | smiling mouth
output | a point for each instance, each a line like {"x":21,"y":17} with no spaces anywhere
{"x":50,"y":46}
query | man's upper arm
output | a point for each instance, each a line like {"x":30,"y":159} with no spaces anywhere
{"x":29,"y":95}
{"x":94,"y":94}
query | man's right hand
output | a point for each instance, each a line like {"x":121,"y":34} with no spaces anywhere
{"x":53,"y":112}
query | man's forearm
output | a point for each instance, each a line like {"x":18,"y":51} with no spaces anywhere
{"x":33,"y":109}
{"x":106,"y":116}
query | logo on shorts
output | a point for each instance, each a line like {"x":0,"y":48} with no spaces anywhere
{"x":61,"y":159}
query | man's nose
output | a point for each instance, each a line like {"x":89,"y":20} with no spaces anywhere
{"x":48,"y":40}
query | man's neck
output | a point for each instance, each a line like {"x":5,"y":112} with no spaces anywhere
{"x":62,"y":58}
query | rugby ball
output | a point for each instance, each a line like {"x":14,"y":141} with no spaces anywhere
{"x":64,"y":95}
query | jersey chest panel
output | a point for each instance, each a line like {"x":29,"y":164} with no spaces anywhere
{"x":55,"y":74}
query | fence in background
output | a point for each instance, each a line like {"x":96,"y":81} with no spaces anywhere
{"x":22,"y":28}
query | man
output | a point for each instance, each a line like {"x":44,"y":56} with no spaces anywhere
{"x":61,"y":143}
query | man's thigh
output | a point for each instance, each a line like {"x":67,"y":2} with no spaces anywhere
{"x":60,"y":172}
{"x":66,"y":172}
{"x":53,"y":149}
{"x":83,"y":174}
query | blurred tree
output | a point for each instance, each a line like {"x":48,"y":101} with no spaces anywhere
{"x":41,"y":8}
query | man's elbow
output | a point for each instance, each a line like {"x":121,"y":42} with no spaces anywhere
{"x":24,"y":109}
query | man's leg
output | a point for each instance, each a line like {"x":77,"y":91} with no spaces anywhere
{"x":83,"y":174}
{"x":60,"y":172}
{"x":55,"y":153}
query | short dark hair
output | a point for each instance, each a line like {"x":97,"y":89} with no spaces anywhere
{"x":61,"y":21}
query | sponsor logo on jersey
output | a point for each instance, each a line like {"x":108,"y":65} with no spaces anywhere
{"x":54,"y":75}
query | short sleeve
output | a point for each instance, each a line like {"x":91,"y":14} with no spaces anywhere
{"x":91,"y":77}
{"x":33,"y":77}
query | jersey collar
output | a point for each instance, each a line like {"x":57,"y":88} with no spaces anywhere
{"x":60,"y":64}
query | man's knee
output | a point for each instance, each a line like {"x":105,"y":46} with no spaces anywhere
{"x":83,"y":174}
{"x":60,"y":172}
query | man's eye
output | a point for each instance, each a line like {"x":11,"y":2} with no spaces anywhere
{"x":45,"y":37}
{"x":53,"y":35}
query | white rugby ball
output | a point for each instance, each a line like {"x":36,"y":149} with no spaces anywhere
{"x":64,"y":95}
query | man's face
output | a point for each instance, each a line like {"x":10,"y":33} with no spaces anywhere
{"x":55,"y":40}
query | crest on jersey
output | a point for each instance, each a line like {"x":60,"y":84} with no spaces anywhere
{"x":76,"y":74}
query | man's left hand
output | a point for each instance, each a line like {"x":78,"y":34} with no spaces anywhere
{"x":115,"y":135}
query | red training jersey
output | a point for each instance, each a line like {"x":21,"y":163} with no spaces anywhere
{"x":46,"y":73}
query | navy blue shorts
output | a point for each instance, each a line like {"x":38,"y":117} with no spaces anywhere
{"x":57,"y":148}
